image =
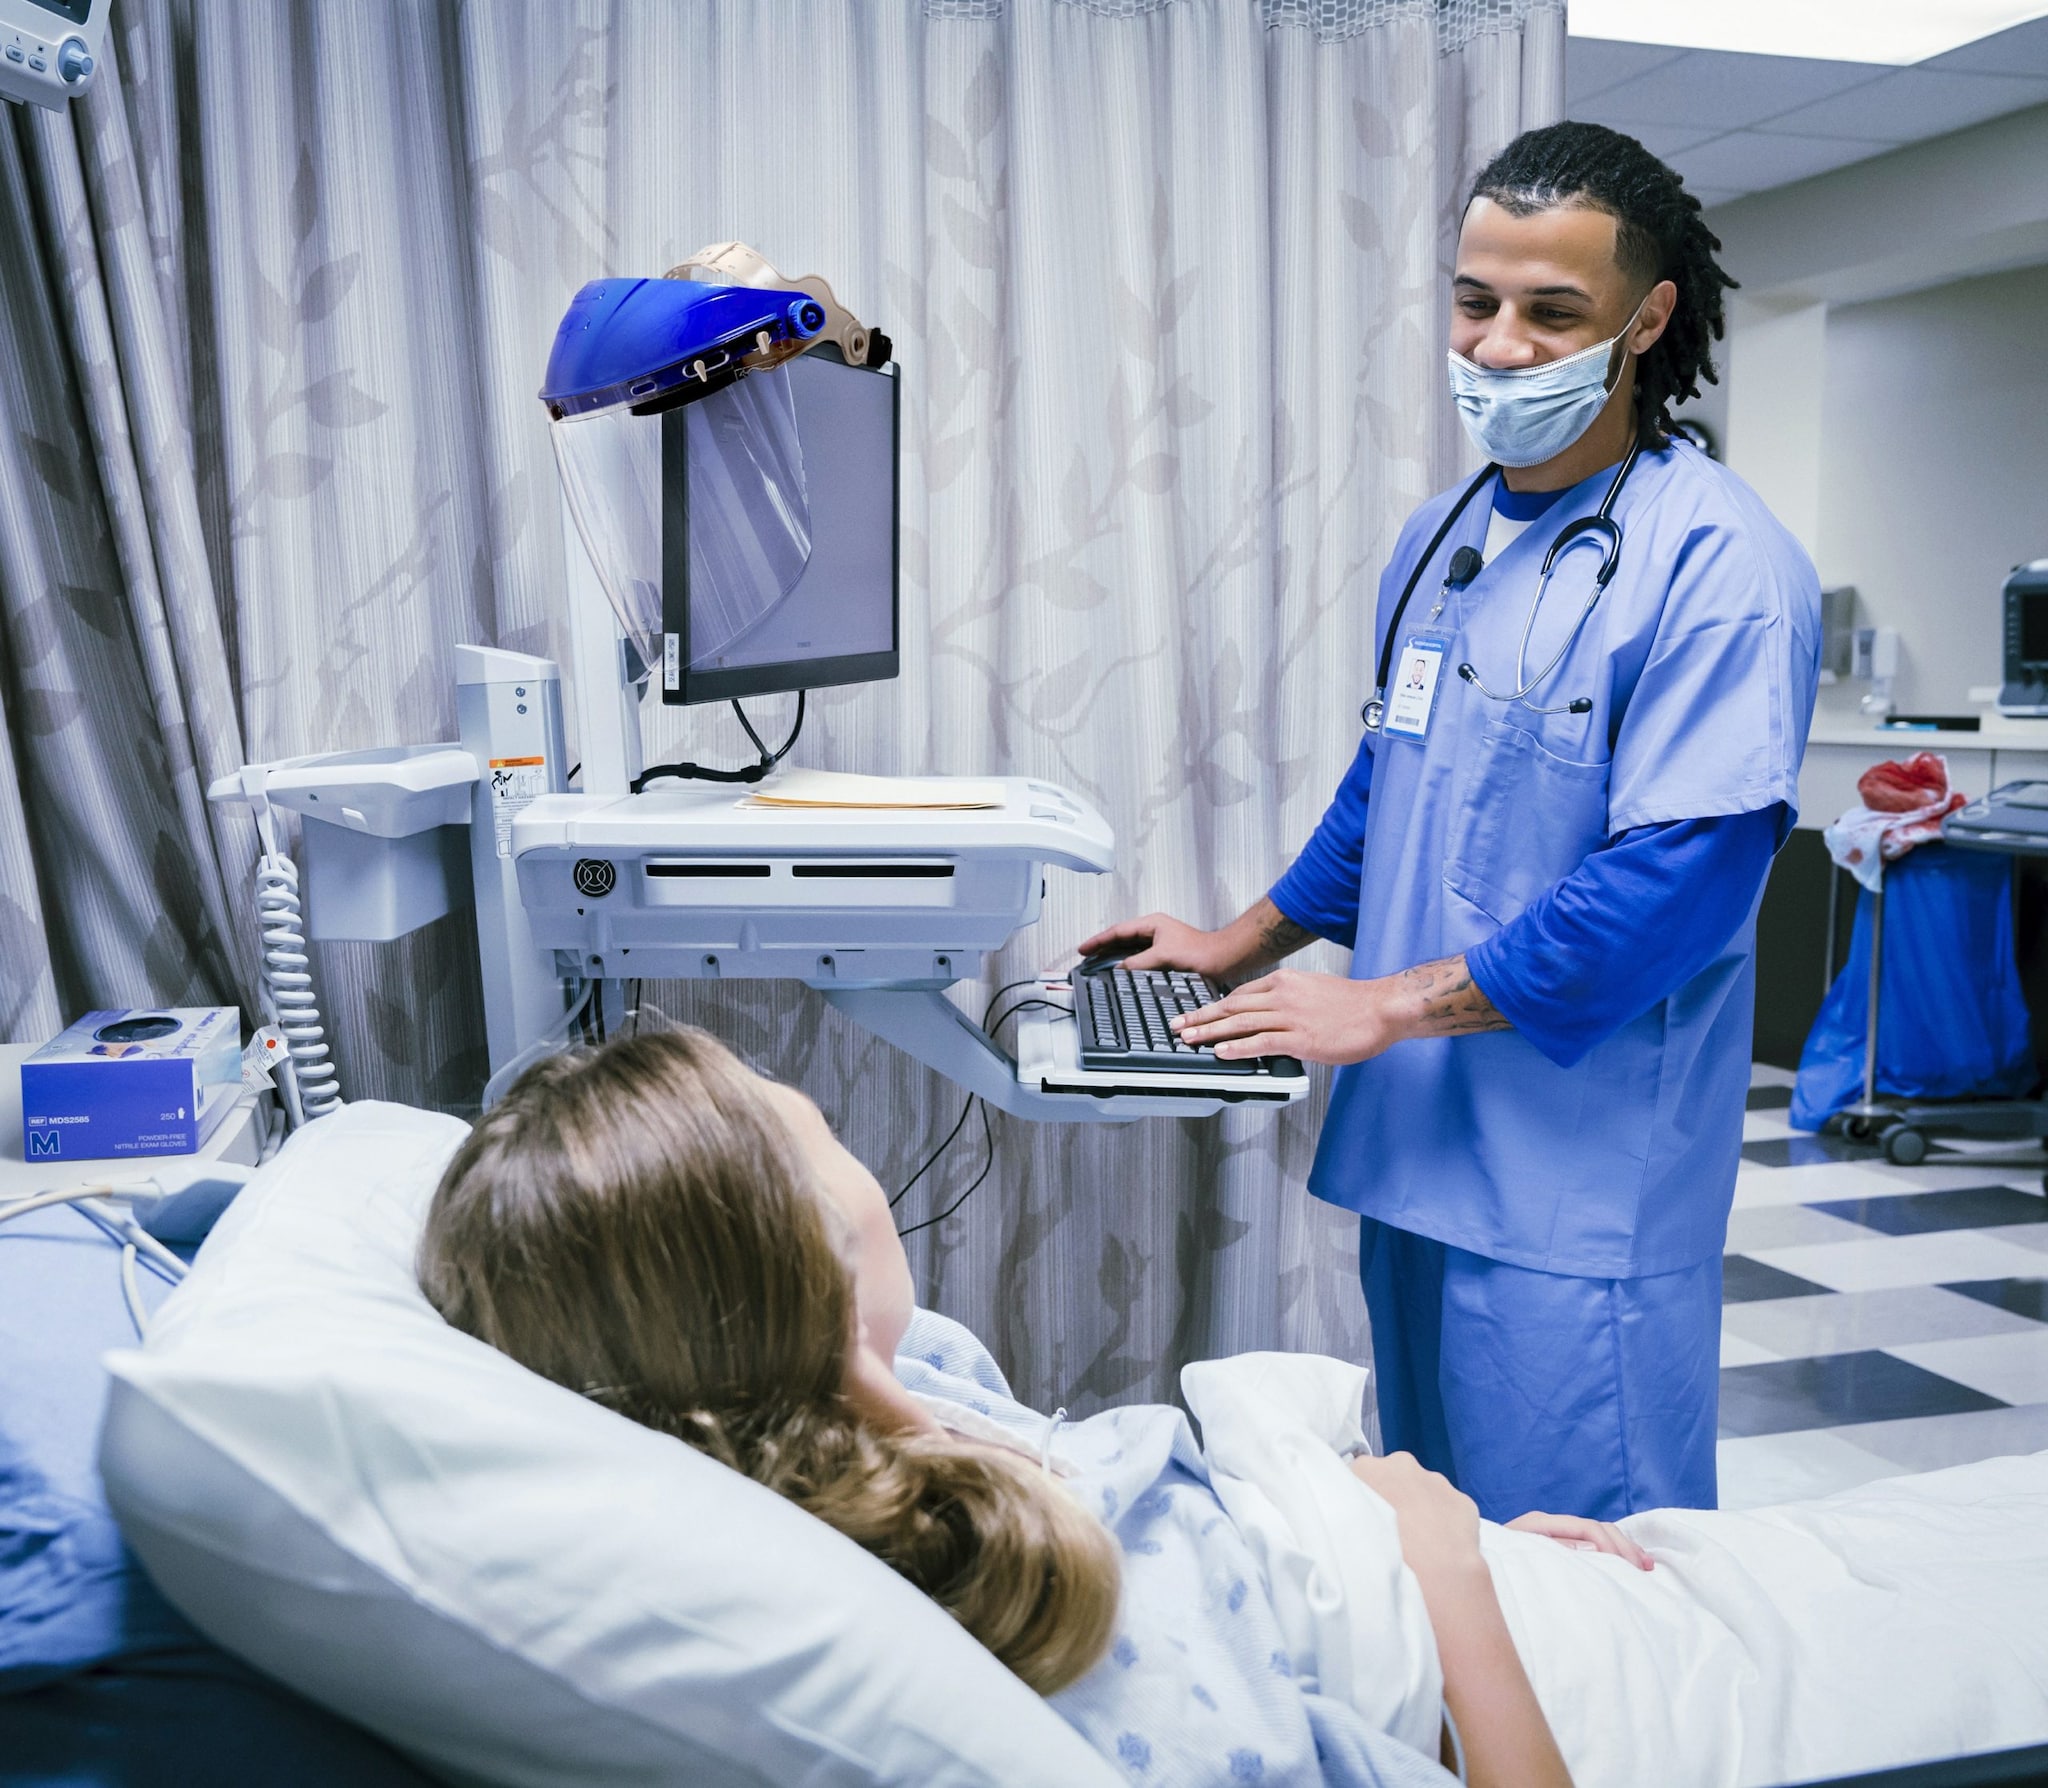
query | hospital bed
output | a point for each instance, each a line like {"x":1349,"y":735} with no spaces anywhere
{"x":103,"y":1680}
{"x":2026,"y":1768}
{"x":103,"y":1684}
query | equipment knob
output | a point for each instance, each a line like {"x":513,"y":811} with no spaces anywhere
{"x":74,"y":60}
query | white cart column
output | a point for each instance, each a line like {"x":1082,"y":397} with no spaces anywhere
{"x":509,"y":707}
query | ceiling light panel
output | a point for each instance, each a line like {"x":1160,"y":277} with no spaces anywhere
{"x":1891,"y":31}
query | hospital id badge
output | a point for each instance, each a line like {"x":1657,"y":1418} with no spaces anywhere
{"x":1418,"y":668}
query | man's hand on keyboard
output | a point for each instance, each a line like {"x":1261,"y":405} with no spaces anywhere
{"x":1256,"y":939}
{"x":1326,"y":1018}
{"x":1315,"y":1018}
{"x":1164,"y":942}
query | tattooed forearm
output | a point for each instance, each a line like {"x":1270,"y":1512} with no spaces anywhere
{"x":1279,"y":936}
{"x":1448,"y":1002}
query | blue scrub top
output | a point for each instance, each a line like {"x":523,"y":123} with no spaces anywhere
{"x":1701,"y":661}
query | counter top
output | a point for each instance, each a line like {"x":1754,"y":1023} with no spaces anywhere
{"x":1996,"y":734}
{"x":1840,"y":748}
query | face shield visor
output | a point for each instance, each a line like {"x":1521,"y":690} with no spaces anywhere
{"x":674,"y":421}
{"x":744,"y":506}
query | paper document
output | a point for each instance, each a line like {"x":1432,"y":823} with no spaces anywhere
{"x":834,"y":788}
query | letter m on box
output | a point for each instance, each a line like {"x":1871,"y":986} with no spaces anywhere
{"x":45,"y":1142}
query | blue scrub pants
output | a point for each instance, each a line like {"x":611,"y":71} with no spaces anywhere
{"x":1536,"y":1390}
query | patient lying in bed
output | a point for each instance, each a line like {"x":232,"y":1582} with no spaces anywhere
{"x":656,"y":1227}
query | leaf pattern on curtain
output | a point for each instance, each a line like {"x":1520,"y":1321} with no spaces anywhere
{"x":1166,"y":282}
{"x":116,"y":688}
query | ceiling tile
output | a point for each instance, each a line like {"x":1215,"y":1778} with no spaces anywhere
{"x":2022,"y":50}
{"x":1752,"y":161}
{"x":1722,"y":90}
{"x":1913,"y":103}
{"x":1711,"y":196}
{"x":1592,"y":64}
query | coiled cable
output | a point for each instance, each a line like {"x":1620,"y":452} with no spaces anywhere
{"x":287,"y":973}
{"x":308,"y":1082}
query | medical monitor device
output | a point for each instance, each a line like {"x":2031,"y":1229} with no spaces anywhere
{"x":727,"y":442}
{"x":779,"y":560}
{"x":2025,"y":690}
{"x":50,"y":49}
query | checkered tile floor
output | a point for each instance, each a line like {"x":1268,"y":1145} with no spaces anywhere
{"x":1878,"y":1319}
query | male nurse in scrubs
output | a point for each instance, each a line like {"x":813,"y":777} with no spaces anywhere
{"x":1549,"y":878}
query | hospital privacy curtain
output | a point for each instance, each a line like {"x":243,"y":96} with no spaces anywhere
{"x":1166,"y":281}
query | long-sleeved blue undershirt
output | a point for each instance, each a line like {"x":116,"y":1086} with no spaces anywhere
{"x":1320,"y":892}
{"x":1631,"y":925}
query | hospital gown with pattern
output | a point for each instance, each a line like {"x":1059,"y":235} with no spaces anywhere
{"x":1198,"y":1688}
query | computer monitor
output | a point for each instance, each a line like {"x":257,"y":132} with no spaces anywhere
{"x":778,"y":533}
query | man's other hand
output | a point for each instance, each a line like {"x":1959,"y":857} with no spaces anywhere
{"x":1165,"y":943}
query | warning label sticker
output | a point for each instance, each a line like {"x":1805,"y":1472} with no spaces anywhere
{"x":515,"y":781}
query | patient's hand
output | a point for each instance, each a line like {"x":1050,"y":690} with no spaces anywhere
{"x":1508,"y":1742}
{"x":1439,"y":1523}
{"x":1583,"y":1535}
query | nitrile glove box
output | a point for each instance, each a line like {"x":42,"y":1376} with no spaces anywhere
{"x":151,"y":1082}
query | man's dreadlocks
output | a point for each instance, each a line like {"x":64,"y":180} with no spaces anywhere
{"x":1659,"y":234}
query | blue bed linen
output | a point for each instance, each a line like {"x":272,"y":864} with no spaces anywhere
{"x":1197,"y":1689}
{"x":102,"y":1683}
{"x":71,"y":1593}
{"x":181,"y":1715}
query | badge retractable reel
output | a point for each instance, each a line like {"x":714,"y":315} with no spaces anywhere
{"x":1464,"y":567}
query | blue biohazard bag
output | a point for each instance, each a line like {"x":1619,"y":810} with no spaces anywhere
{"x":1951,"y":1023}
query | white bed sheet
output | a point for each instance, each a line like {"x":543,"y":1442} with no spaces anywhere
{"x":1889,"y":1624}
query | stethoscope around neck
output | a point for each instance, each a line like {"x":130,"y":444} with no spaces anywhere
{"x":1465,"y":565}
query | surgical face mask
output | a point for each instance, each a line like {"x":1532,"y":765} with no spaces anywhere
{"x":1524,"y":415}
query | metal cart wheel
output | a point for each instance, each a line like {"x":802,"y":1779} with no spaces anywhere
{"x":1855,"y":1128}
{"x":1905,"y":1146}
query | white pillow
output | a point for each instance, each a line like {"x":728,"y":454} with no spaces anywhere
{"x":502,"y":1578}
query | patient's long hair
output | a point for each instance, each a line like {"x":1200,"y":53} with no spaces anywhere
{"x":636,"y":1222}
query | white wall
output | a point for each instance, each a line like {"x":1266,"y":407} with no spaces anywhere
{"x":1777,"y":367}
{"x":1887,"y":389}
{"x":1934,"y":479}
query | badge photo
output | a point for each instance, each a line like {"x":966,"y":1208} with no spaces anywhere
{"x":1411,"y":699}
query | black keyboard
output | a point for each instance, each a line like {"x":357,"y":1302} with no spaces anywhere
{"x":1123,"y":1017}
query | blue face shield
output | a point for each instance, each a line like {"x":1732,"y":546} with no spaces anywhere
{"x":1524,"y":415}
